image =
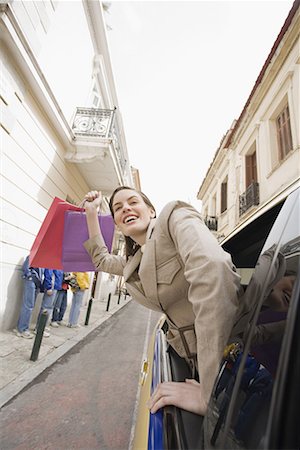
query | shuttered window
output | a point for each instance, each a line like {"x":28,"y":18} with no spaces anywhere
{"x":224,"y":196}
{"x":284,"y":134}
{"x":251,"y":169}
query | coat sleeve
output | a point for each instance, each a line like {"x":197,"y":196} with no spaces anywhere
{"x":101,"y":257}
{"x":213,"y":289}
{"x":48,"y":279}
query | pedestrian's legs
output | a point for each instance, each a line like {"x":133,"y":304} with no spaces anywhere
{"x":47,"y":303}
{"x":57,"y":306}
{"x":63,"y":306}
{"x":30,"y":292}
{"x":75,"y":307}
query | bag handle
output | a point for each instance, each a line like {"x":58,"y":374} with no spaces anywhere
{"x":81,"y":206}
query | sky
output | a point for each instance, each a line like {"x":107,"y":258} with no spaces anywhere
{"x":183,"y":72}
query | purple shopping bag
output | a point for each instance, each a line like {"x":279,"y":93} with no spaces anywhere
{"x":75,"y":258}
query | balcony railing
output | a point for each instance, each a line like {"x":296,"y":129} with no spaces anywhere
{"x":93,"y":122}
{"x":211,"y":222}
{"x":102,"y":123}
{"x":249,"y":198}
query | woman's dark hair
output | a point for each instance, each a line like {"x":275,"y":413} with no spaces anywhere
{"x":131,"y":246}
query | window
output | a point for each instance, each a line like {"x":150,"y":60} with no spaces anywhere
{"x":224,"y":196}
{"x":251,"y":169}
{"x":284,"y":134}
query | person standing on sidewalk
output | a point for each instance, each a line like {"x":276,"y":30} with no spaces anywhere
{"x":52,"y":283}
{"x":33,"y":279}
{"x":79,"y":283}
{"x":61,"y":300}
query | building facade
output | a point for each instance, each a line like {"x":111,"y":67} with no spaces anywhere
{"x":258,"y":161}
{"x":61,"y":127}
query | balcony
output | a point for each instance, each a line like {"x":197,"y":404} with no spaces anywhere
{"x":249,"y":198}
{"x":99,"y":149}
{"x":211,"y":222}
{"x":93,"y":122}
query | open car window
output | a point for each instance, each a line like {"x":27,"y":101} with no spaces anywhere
{"x":239,"y":411}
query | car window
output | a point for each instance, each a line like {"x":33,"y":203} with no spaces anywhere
{"x":239,"y":409}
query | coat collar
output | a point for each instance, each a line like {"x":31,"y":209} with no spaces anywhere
{"x":147,"y":270}
{"x":132,"y":264}
{"x":135,"y":260}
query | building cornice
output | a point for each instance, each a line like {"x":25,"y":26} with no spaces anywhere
{"x":278,"y":54}
{"x":102,"y":63}
{"x":97,"y":26}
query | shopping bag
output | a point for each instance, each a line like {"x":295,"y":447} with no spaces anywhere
{"x":46,"y":250}
{"x":75,"y":258}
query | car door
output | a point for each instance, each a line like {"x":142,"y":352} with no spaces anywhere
{"x":255,"y":399}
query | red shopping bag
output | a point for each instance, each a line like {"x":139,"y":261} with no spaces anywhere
{"x":46,"y":251}
{"x":75,"y":258}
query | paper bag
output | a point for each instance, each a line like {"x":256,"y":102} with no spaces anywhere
{"x":74,"y":256}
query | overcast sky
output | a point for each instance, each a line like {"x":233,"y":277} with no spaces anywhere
{"x":183,"y":72}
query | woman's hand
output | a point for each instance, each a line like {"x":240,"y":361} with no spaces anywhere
{"x":92,"y":200}
{"x":91,"y":204}
{"x":185,"y":395}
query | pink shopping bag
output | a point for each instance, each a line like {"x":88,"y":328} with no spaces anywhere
{"x":46,"y":251}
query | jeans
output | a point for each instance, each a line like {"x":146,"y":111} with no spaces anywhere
{"x":30,"y":292}
{"x":75,"y":307}
{"x":60,"y":306}
{"x":48,"y":305}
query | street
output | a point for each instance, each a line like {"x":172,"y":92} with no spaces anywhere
{"x":87,"y":398}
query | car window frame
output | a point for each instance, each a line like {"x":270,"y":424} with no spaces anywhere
{"x":286,"y":210}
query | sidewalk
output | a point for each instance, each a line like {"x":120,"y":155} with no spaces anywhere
{"x":17,"y":371}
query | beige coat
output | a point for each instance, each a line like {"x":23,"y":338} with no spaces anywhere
{"x":185,"y":273}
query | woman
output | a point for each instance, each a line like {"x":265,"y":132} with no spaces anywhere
{"x":173,"y":264}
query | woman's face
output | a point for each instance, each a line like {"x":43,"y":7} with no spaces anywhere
{"x":131,"y":214}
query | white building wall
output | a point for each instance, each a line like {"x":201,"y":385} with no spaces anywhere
{"x":33,"y":171}
{"x":33,"y":165}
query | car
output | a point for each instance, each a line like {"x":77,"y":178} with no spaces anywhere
{"x":256,"y":396}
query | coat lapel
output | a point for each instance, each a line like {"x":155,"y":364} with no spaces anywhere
{"x":147,"y":271}
{"x":132,"y":264}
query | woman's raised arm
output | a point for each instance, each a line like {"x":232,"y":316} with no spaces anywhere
{"x":91,"y":203}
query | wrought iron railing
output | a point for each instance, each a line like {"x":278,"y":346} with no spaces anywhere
{"x":211,"y":222}
{"x":102,"y":123}
{"x":115,"y":135}
{"x":93,"y":122}
{"x":249,"y":198}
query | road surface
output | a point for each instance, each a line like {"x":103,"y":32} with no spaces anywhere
{"x":86,"y":400}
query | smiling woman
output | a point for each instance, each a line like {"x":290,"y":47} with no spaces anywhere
{"x":133,"y":210}
{"x":173,"y":264}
